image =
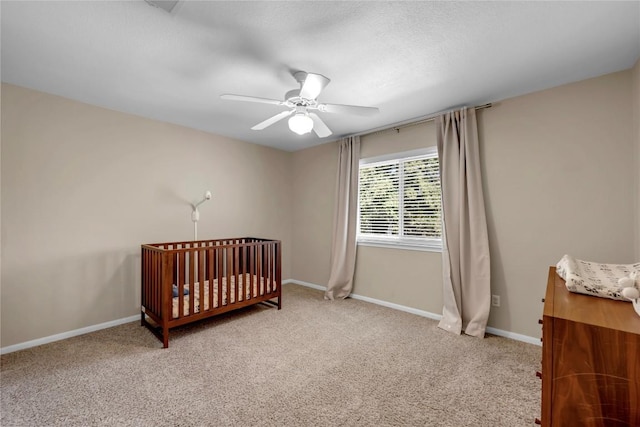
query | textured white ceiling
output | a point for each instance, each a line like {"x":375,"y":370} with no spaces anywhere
{"x":409,"y":59}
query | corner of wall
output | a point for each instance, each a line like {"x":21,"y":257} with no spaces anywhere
{"x":635,"y":94}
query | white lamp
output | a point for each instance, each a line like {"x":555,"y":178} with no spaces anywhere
{"x":301,"y":123}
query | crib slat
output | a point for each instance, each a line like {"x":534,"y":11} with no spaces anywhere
{"x":279,"y":274}
{"x":259,"y":265}
{"x":180,"y":284}
{"x":271,"y":267}
{"x":145,"y":278}
{"x":210,"y":263}
{"x":243,"y":252}
{"x":192,"y":308}
{"x":156,"y":282}
{"x":145,"y":281}
{"x":275,"y":267}
{"x":269,"y":284}
{"x":152,"y":283}
{"x":251,"y":270}
{"x":220,"y":255}
{"x":153,"y":298}
{"x":229,"y":272}
{"x":149,"y":266}
{"x":201,"y":276}
{"x":151,"y":295}
{"x":236,"y":266}
{"x":176,"y":263}
{"x":265,"y":268}
{"x":167,"y":300}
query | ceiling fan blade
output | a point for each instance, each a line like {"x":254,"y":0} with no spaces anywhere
{"x":319,"y":127}
{"x":232,"y":97}
{"x":272,"y":120}
{"x":348,"y":109}
{"x":313,"y":85}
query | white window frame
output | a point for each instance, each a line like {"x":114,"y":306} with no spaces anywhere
{"x":398,"y":242}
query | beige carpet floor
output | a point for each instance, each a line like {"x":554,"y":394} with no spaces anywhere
{"x":313,"y":363}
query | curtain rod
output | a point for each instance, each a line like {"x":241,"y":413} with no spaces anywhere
{"x":414,"y":122}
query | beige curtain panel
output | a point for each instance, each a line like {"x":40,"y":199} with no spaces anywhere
{"x":343,"y":250}
{"x":465,"y":243}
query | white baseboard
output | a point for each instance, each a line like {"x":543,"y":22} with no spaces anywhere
{"x":399,"y":307}
{"x":65,"y":335}
{"x":105,"y":325}
{"x":76,"y":332}
{"x":307,"y":284}
{"x":423,"y":313}
{"x":514,"y":336}
{"x":85,"y":330}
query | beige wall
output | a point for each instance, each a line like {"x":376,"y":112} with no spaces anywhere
{"x":635,"y":96}
{"x":558,"y":178}
{"x":83,"y":187}
{"x":313,"y":175}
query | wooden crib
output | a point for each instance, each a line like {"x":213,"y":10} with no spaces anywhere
{"x":183,"y":282}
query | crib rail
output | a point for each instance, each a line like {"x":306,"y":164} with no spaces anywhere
{"x":216,"y":275}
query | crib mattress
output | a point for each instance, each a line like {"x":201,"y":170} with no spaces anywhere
{"x":245,"y":280}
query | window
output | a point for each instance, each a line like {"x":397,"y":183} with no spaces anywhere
{"x":399,"y":201}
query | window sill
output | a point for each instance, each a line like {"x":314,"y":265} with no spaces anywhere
{"x":401,"y":245}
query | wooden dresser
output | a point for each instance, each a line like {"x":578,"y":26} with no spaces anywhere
{"x":590,"y":360}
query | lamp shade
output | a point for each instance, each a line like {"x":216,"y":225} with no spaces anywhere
{"x":301,"y":123}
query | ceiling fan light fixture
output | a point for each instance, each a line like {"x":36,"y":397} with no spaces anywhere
{"x":301,"y":123}
{"x":302,"y":104}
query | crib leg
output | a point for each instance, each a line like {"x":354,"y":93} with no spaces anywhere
{"x":142,"y":318}
{"x":165,"y":337}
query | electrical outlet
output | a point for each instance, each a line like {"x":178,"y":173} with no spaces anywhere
{"x":495,"y":300}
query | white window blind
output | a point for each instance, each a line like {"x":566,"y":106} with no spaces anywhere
{"x":399,"y":201}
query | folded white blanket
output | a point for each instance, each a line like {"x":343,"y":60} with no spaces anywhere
{"x":592,"y":278}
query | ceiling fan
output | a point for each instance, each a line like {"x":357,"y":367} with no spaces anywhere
{"x":301,"y":103}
